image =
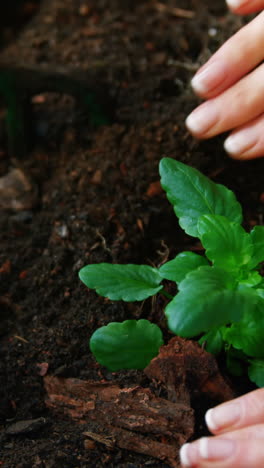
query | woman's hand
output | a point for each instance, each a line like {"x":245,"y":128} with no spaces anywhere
{"x":238,"y":442}
{"x":232,"y":83}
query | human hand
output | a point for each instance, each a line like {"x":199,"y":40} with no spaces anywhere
{"x":238,"y":442}
{"x":232,"y":83}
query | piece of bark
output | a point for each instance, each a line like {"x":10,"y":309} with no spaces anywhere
{"x":186,"y":370}
{"x":131,"y":418}
{"x":115,"y":436}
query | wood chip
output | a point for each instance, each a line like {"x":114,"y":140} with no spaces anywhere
{"x":5,"y":268}
{"x":179,"y":12}
{"x":187,"y":370}
{"x":26,"y":426}
{"x":131,"y":418}
{"x":154,"y":189}
{"x":97,"y":177}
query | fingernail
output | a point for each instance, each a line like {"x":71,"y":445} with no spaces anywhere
{"x":202,"y":119}
{"x":189,"y":454}
{"x":239,"y":143}
{"x":184,"y":458}
{"x":222,"y":416}
{"x":235,"y":3}
{"x":206,"y":449}
{"x":209,"y":77}
{"x":214,"y":449}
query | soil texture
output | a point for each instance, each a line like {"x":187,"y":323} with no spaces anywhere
{"x":87,"y":193}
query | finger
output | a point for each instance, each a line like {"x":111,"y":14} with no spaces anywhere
{"x":216,"y":452}
{"x":244,"y":7}
{"x":246,"y":433}
{"x":244,"y":411}
{"x":239,"y":55}
{"x":241,"y":103}
{"x":247,"y":142}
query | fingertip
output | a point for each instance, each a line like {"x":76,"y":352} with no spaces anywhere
{"x":242,"y":145}
{"x":231,"y":146}
{"x":202,"y":120}
{"x":244,"y":7}
{"x":210,"y":421}
{"x":211,"y":76}
{"x":234,"y":4}
{"x":198,"y":86}
{"x":184,"y":458}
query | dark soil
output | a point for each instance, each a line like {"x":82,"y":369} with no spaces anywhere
{"x":96,"y":202}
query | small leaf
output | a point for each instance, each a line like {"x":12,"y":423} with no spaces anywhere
{"x":177,"y":269}
{"x":252,"y":279}
{"x":192,"y":195}
{"x":260,"y":292}
{"x":256,"y":372}
{"x":257,"y":237}
{"x":126,"y":345}
{"x":207,"y":299}
{"x":227,"y":244}
{"x":248,"y":334}
{"x":213,"y":341}
{"x":122,"y":282}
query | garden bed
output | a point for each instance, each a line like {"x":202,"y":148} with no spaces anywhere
{"x":87,"y":194}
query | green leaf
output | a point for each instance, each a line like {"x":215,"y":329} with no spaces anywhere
{"x":177,"y":269}
{"x":206,"y":299}
{"x":260,"y":292}
{"x":252,"y":279}
{"x":213,"y":341}
{"x":248,"y":334}
{"x":192,"y":195}
{"x":227,"y":244}
{"x":126,"y":345}
{"x":122,"y":282}
{"x":256,"y":372}
{"x":257,"y":237}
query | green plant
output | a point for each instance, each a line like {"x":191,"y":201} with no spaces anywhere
{"x":220,"y":298}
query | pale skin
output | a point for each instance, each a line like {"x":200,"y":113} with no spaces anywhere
{"x":233,"y":89}
{"x":232,"y":86}
{"x":238,"y":436}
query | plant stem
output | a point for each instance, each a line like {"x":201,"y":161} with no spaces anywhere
{"x":166,"y":294}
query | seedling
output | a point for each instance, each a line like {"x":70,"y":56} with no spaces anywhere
{"x":220,"y":298}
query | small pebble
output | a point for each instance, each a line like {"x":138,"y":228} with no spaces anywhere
{"x":212,"y":32}
{"x":62,"y":231}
